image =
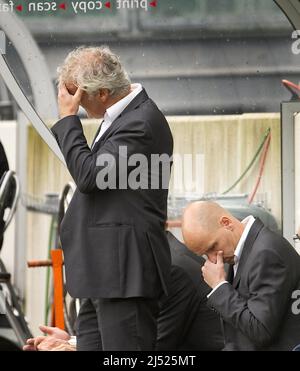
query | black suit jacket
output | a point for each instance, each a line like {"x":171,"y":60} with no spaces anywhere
{"x":114,"y":240}
{"x":257,"y":309}
{"x":185,"y":321}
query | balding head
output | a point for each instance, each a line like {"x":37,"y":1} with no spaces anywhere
{"x":206,"y":226}
{"x":204,"y":214}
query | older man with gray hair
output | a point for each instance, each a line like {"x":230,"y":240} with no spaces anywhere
{"x":116,"y":253}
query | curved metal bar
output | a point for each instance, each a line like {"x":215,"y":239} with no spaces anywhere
{"x":291,"y":8}
{"x":6,"y":182}
{"x":28,"y":109}
{"x":15,"y":202}
{"x":34,"y":61}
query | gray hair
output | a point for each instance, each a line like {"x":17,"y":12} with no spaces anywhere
{"x":95,"y":68}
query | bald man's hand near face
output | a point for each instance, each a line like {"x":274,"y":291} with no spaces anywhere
{"x":214,"y":273}
{"x":68,"y":104}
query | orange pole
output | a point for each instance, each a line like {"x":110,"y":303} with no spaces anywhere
{"x":57,"y":262}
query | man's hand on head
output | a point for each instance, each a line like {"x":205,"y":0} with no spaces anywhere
{"x":68,"y":104}
{"x":214,"y":273}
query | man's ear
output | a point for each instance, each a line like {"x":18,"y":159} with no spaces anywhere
{"x":103,"y":95}
{"x":226,"y":222}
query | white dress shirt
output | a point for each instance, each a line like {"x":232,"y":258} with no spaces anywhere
{"x":73,"y":341}
{"x":239,"y":249}
{"x":116,"y":109}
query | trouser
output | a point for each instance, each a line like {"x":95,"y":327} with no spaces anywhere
{"x":178,"y":312}
{"x":117,"y":324}
{"x":185,"y":321}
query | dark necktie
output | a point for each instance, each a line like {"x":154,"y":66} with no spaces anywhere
{"x":98,"y":131}
{"x":230,"y":274}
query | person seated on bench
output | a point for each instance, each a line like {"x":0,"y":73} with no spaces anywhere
{"x":184,"y":322}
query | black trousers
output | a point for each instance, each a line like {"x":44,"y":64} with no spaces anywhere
{"x":185,"y":321}
{"x":117,"y":324}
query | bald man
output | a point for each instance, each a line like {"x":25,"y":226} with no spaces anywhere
{"x":257,"y":300}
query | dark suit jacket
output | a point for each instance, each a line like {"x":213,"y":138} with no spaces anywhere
{"x":257,"y":308}
{"x":114,"y":240}
{"x":185,"y":321}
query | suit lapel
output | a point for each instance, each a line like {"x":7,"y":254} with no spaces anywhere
{"x":97,"y":132}
{"x":253,"y":233}
{"x":135,"y":103}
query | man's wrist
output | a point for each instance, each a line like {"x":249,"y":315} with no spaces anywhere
{"x":72,"y":341}
{"x":216,"y":287}
{"x":63,"y":115}
{"x":217,"y":284}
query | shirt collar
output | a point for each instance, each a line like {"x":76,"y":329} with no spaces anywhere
{"x":248,"y":222}
{"x":116,"y":109}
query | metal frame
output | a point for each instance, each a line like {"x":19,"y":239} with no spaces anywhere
{"x":39,"y":76}
{"x":13,"y":310}
{"x":7,"y":178}
{"x":34,"y":63}
{"x":288,"y":112}
{"x":21,"y":213}
{"x":28,"y":109}
{"x":291,"y":8}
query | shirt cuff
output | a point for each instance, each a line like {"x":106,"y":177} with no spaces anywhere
{"x":73,"y":341}
{"x":216,"y":288}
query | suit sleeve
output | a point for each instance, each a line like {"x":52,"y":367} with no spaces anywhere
{"x":259,"y":316}
{"x":83,"y":164}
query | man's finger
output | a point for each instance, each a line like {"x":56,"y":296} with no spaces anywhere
{"x":38,"y":340}
{"x":78,"y":95}
{"x":29,"y":348}
{"x":220,"y":258}
{"x":43,"y":347}
{"x":62,"y":88}
{"x":46,"y":329}
{"x":208,"y":263}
